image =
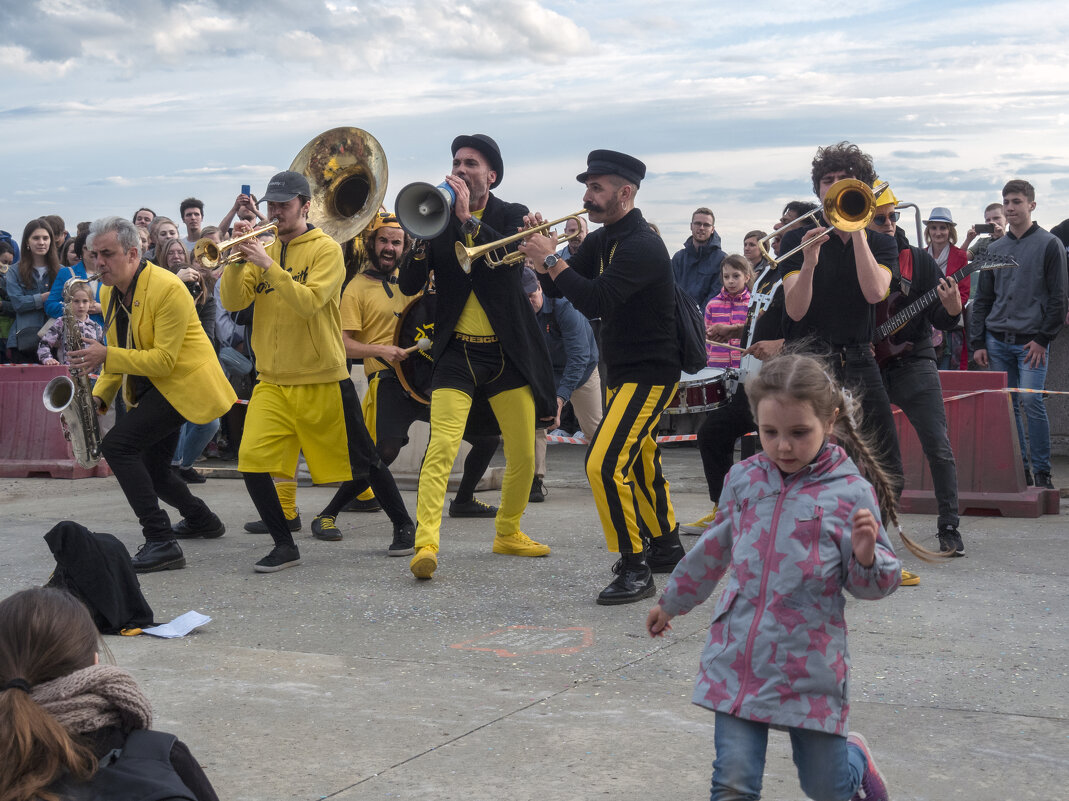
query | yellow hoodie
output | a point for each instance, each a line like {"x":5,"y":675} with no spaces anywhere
{"x":296,"y":329}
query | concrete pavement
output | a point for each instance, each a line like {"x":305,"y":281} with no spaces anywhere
{"x":345,"y":678}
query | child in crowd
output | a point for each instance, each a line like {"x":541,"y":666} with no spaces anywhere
{"x":62,"y":712}
{"x":729,"y":308}
{"x":797,"y":525}
{"x":53,"y":347}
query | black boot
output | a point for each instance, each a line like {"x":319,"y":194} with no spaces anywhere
{"x":665,"y":552}
{"x":633,"y":582}
{"x":153,"y":556}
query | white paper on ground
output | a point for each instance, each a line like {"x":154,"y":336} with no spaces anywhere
{"x":180,"y":626}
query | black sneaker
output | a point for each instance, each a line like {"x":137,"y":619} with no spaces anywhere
{"x":260,"y":527}
{"x":281,"y":557}
{"x":370,"y":505}
{"x":210,"y":529}
{"x":404,"y":540}
{"x":472,"y":508}
{"x":1028,"y":481}
{"x":950,"y":541}
{"x":324,"y":528}
{"x":1043,"y":480}
{"x":538,"y":491}
{"x":189,"y":475}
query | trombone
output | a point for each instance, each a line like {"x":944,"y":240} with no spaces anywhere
{"x":848,"y":206}
{"x":467,"y":256}
{"x":209,"y":255}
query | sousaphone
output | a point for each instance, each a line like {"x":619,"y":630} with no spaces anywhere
{"x":346,"y":169}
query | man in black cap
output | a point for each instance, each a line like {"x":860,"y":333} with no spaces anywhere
{"x":622,"y":274}
{"x":304,"y":400}
{"x":487,"y":345}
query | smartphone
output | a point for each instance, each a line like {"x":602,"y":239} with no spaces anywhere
{"x":246,"y":189}
{"x":984,"y":228}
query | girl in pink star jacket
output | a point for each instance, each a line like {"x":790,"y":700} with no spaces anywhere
{"x":797,"y":525}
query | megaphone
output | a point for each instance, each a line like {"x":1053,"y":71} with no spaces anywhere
{"x":423,"y":210}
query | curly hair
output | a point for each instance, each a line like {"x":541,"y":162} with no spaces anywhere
{"x":842,"y":157}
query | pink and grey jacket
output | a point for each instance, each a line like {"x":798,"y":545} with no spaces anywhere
{"x":728,"y":310}
{"x":776,"y":651}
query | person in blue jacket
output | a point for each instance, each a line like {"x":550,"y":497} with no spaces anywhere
{"x":697,"y":265}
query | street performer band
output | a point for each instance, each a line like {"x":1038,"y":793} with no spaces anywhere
{"x":462,"y":259}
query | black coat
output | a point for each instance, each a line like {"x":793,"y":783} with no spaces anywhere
{"x":498,"y":291}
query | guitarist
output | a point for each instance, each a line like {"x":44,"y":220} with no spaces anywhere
{"x":908,"y":368}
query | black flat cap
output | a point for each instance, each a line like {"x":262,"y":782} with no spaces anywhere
{"x":488,"y":147}
{"x":611,"y":162}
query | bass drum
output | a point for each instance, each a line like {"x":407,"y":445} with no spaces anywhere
{"x":415,"y":323}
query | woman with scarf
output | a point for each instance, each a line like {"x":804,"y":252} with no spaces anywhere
{"x":61,"y":711}
{"x":941,"y":237}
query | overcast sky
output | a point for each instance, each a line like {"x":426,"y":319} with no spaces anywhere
{"x":106,"y":106}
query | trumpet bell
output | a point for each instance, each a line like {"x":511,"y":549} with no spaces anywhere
{"x":849,"y":205}
{"x":346,"y":169}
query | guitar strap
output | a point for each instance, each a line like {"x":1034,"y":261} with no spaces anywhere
{"x":905,"y":270}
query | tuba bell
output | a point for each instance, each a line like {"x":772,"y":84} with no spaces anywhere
{"x":346,"y":170}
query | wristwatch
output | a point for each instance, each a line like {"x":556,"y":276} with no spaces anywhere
{"x":551,"y":261}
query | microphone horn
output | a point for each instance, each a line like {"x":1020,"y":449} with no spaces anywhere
{"x":423,"y":209}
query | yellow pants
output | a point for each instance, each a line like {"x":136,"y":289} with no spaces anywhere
{"x":514,"y":410}
{"x":623,"y":466}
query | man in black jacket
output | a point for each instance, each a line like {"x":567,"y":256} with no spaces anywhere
{"x":907,"y":363}
{"x":622,"y":274}
{"x":486,"y":342}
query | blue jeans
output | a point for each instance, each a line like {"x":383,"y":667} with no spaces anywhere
{"x":1011,"y":359}
{"x":192,"y":441}
{"x":829,"y":768}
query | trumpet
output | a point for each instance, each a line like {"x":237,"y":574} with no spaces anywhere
{"x":848,"y":206}
{"x":467,"y":256}
{"x":209,"y":255}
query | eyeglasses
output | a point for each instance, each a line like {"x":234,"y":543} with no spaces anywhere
{"x":881,"y":219}
{"x":701,"y":225}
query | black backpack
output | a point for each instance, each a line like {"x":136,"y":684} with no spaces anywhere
{"x":140,"y":771}
{"x":690,"y":331}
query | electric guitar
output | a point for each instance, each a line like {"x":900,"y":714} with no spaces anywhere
{"x":892,"y":317}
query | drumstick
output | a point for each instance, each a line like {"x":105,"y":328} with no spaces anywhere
{"x":422,"y":344}
{"x":725,"y":345}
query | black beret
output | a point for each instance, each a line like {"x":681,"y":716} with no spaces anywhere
{"x":611,"y":162}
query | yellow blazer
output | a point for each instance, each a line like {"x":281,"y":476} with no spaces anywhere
{"x":166,"y":344}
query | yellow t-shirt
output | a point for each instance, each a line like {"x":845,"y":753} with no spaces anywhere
{"x":370,"y":316}
{"x":473,"y":320}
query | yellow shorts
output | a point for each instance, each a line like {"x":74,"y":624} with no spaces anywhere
{"x":283,"y":421}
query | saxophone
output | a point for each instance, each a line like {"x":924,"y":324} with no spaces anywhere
{"x":72,"y":396}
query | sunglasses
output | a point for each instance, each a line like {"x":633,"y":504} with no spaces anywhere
{"x":881,"y":219}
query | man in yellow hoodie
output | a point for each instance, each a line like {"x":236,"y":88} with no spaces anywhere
{"x":158,"y":353}
{"x":304,"y":400}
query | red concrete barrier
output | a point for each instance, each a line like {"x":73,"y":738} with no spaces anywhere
{"x":984,"y":438}
{"x":31,"y":440}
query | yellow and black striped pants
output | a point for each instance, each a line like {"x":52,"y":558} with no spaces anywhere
{"x":623,"y":466}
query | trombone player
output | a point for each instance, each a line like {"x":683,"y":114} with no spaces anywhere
{"x":831,"y":287}
{"x":487,"y":343}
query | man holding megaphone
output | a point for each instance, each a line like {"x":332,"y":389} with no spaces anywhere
{"x":487,"y":342}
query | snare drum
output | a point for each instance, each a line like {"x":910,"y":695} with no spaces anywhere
{"x":699,"y":392}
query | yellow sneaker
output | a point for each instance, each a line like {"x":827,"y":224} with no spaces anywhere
{"x":909,"y":579}
{"x":519,"y":544}
{"x":699,"y":525}
{"x":424,"y":563}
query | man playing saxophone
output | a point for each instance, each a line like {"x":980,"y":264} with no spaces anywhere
{"x":159,"y":355}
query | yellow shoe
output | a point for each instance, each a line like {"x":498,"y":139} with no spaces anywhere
{"x":519,"y":544}
{"x":909,"y":579}
{"x":424,"y":563}
{"x":699,"y":525}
